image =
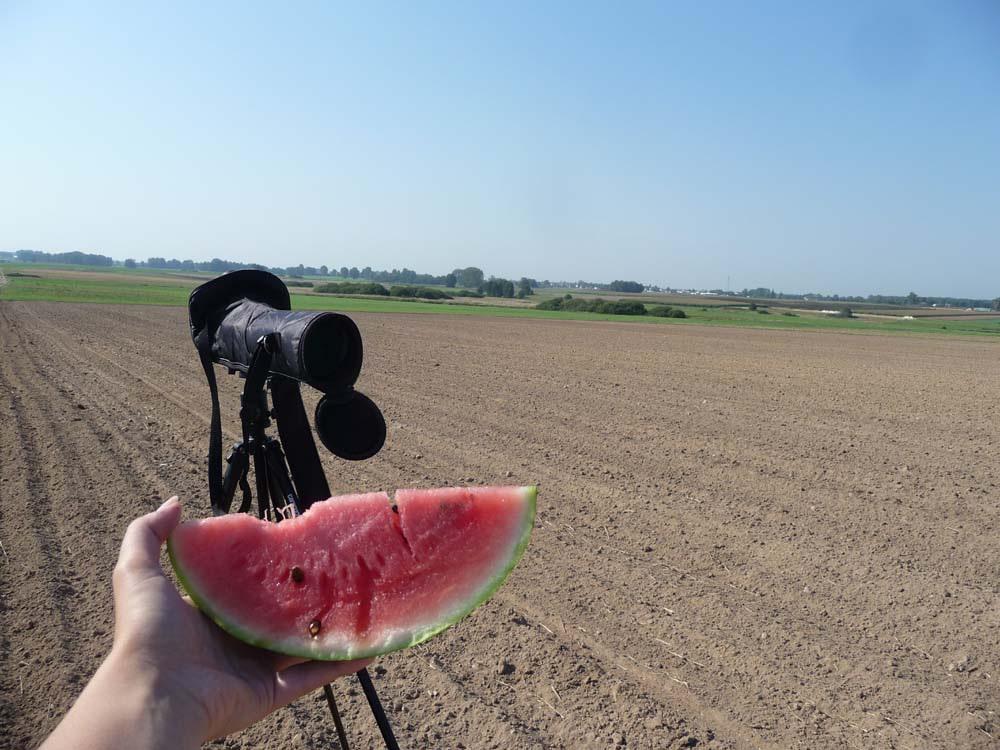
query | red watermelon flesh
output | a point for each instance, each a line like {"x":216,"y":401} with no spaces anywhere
{"x":356,"y":575}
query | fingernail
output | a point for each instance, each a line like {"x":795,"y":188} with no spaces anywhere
{"x":171,"y":499}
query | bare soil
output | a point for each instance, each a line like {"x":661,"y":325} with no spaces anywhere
{"x":746,"y":539}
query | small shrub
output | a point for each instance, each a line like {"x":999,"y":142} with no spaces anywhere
{"x":579,"y":305}
{"x":352,"y":287}
{"x":603,"y":306}
{"x":298,"y":283}
{"x":421,"y":292}
{"x":677,"y":313}
{"x":618,"y":308}
{"x":466,"y":293}
{"x":629,"y":308}
{"x":753,"y":306}
{"x":845,"y":313}
{"x":550,"y":304}
{"x":762,"y":311}
{"x":661,"y":311}
{"x":789,"y":315}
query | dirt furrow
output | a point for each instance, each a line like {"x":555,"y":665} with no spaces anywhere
{"x":745,"y":538}
{"x":60,"y":561}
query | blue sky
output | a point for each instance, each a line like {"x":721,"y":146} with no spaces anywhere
{"x":846,"y":147}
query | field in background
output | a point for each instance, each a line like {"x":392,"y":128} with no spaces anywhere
{"x":52,"y":283}
{"x":722,"y":301}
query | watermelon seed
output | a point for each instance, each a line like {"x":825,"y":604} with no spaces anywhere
{"x":297,"y":575}
{"x":395,"y":508}
{"x":314,"y":627}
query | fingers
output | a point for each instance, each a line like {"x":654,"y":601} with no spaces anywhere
{"x":296,"y":681}
{"x":140,"y":550}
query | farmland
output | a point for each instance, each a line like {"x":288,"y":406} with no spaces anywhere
{"x":39,"y":282}
{"x":747,"y":538}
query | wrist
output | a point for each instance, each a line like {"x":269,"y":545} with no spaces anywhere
{"x":127,"y":703}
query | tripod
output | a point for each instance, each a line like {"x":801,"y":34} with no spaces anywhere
{"x":277,"y":498}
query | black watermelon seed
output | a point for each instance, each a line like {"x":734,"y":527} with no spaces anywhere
{"x":314,"y":627}
{"x":297,"y":575}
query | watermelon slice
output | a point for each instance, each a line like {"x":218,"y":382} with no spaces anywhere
{"x":356,"y":575}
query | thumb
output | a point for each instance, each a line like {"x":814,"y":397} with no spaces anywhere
{"x":140,"y":552}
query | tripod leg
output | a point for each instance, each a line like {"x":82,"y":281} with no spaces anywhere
{"x":377,"y":711}
{"x":237,"y":464}
{"x":270,"y":463}
{"x":283,"y":495}
{"x":247,"y":495}
{"x":332,"y":703}
{"x":260,"y":479}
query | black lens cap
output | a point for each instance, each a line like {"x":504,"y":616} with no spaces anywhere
{"x":350,"y":425}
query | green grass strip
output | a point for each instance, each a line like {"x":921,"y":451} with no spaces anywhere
{"x":126,"y":289}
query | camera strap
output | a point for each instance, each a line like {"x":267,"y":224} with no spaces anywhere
{"x":215,"y":430}
{"x":300,"y":448}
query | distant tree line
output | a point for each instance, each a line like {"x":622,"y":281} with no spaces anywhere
{"x":472,"y":278}
{"x":614,"y":286}
{"x":907,"y":300}
{"x":625,"y":286}
{"x":568,"y":303}
{"x":216,"y":265}
{"x":609,"y":307}
{"x":409,"y":283}
{"x":913,"y":300}
{"x":498,"y":288}
{"x":374,"y":288}
{"x":74,"y":257}
{"x":352,"y":287}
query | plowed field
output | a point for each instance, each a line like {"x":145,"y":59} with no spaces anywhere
{"x":745,"y":538}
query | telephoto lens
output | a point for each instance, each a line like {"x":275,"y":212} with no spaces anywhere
{"x":229,"y":314}
{"x":322,"y":349}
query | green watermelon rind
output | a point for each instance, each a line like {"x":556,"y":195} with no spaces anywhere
{"x":292,"y":648}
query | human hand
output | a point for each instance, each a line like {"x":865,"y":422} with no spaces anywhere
{"x":197,"y":682}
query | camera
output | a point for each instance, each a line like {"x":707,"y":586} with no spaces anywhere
{"x":230,"y":314}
